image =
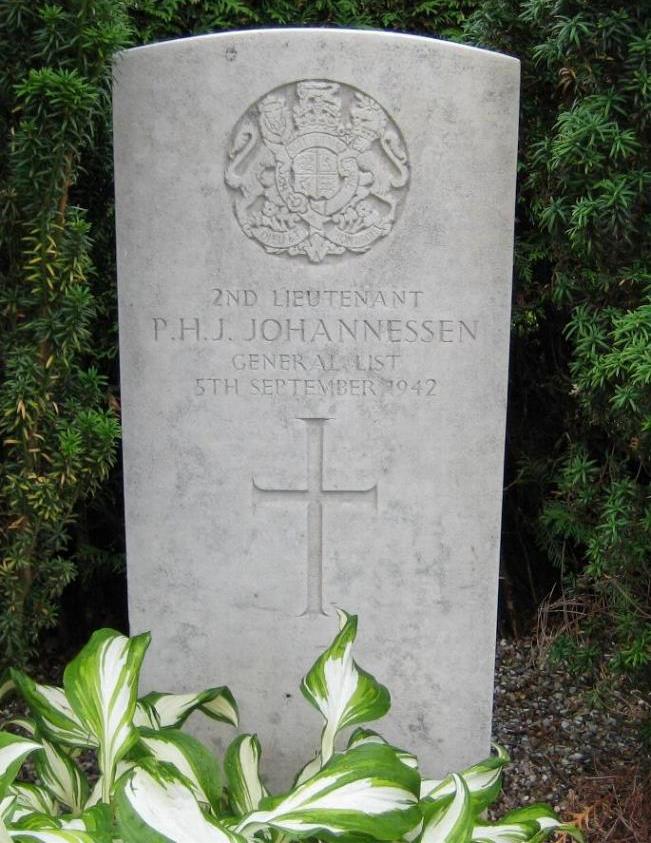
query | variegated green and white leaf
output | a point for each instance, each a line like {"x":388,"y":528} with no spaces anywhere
{"x":310,"y":769}
{"x":145,"y":716}
{"x":154,"y":804}
{"x":343,"y":693}
{"x":365,"y":792}
{"x":361,"y":736}
{"x":159,"y":711}
{"x":7,"y":684}
{"x":504,"y":832}
{"x":566,"y":829}
{"x":523,"y":832}
{"x":53,"y":835}
{"x":96,"y":824}
{"x":97,"y":821}
{"x":220,"y":704}
{"x":61,"y":776}
{"x":24,"y":723}
{"x":548,"y":829}
{"x":75,"y":824}
{"x":18,"y":813}
{"x":539,"y":813}
{"x":483,"y":780}
{"x":34,"y":799}
{"x":358,"y":738}
{"x":544,"y":821}
{"x":13,"y":751}
{"x":452,"y":822}
{"x":415,"y":833}
{"x":364,"y":736}
{"x":242,"y":769}
{"x":101,"y":684}
{"x":53,"y":713}
{"x":35,"y":820}
{"x":7,"y":808}
{"x":190,"y":758}
{"x":95,"y":797}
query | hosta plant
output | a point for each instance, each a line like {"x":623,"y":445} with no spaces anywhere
{"x":158,"y":784}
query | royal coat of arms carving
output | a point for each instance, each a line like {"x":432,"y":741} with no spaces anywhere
{"x":317,"y":168}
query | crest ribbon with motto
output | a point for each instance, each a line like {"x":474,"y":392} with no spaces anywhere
{"x":317,"y":168}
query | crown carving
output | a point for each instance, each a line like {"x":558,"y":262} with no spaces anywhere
{"x":318,"y":107}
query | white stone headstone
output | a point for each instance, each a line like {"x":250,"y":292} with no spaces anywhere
{"x":314,"y":253}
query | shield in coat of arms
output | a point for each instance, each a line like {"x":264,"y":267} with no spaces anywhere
{"x":315,"y":173}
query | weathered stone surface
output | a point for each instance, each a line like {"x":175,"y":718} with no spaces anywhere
{"x":314,"y":249}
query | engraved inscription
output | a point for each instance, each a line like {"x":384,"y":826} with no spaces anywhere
{"x":313,"y":342}
{"x":315,"y":495}
{"x":317,"y":168}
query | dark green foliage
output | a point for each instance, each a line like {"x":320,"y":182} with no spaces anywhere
{"x":59,"y":433}
{"x":582,"y":345}
{"x":176,"y":18}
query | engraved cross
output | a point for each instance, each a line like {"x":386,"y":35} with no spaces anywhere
{"x":315,"y":495}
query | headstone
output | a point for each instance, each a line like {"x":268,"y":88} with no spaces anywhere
{"x":314,"y":255}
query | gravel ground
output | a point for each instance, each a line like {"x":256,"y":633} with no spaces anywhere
{"x":555,"y":739}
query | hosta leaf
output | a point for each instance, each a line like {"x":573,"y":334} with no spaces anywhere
{"x":7,"y":684}
{"x":503,"y":832}
{"x":158,"y":711}
{"x":61,"y":776}
{"x":95,"y":797}
{"x":190,"y":758}
{"x":451,"y":823}
{"x":36,"y":820}
{"x":154,"y":804}
{"x":340,"y":690}
{"x":32,"y":798}
{"x":483,"y":780}
{"x":544,"y":821}
{"x":101,"y":684}
{"x":566,"y":829}
{"x":50,"y":830}
{"x":415,"y":833}
{"x":54,"y":835}
{"x":310,"y":769}
{"x":542,"y":814}
{"x":98,"y":821}
{"x":366,"y":792}
{"x":361,"y":736}
{"x":145,"y":716}
{"x":13,"y":751}
{"x":219,"y":704}
{"x":7,"y":808}
{"x":24,"y":723}
{"x":364,"y":736}
{"x":53,"y":713}
{"x":242,"y":769}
